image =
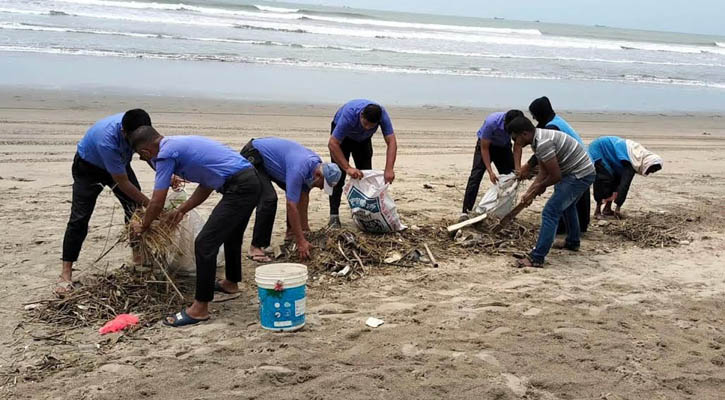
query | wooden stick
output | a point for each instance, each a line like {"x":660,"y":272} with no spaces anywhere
{"x":171,"y":281}
{"x":466,"y":223}
{"x":430,"y":255}
{"x":359,"y":260}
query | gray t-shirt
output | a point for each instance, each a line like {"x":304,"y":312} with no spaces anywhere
{"x":570,"y":154}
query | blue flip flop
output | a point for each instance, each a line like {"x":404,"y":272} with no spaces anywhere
{"x":181,"y":318}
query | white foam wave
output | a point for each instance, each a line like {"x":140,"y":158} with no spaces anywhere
{"x":480,"y":72}
{"x":276,"y":9}
{"x":719,"y":44}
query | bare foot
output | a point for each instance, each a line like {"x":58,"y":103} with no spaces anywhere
{"x":258,"y":255}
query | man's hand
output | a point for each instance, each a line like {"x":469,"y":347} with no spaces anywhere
{"x":610,"y":199}
{"x":492,"y":176}
{"x":354,"y":173}
{"x":524,"y":173}
{"x":303,"y":249}
{"x":177,"y":183}
{"x":389,"y":175}
{"x":173,"y":217}
{"x":136,"y":229}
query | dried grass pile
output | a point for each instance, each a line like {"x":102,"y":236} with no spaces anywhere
{"x":652,"y":229}
{"x":518,"y":236}
{"x":103,"y":297}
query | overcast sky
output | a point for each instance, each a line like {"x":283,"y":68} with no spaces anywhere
{"x":692,"y":16}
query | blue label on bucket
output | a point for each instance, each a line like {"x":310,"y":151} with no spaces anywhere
{"x":282,"y":310}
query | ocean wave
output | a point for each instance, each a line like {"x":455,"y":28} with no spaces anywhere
{"x":290,"y":23}
{"x":472,"y":72}
{"x":48,"y":28}
{"x":276,"y":9}
{"x":296,"y":14}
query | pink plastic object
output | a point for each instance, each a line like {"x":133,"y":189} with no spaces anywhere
{"x":121,"y":322}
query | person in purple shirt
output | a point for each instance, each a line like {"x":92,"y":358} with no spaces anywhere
{"x":351,"y":130}
{"x":215,"y":167}
{"x":493,"y":145}
{"x":103,"y":158}
{"x":295,"y":169}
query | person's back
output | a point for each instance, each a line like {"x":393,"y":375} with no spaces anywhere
{"x":570,"y":154}
{"x":283,"y":157}
{"x":104,"y":146}
{"x":610,"y":151}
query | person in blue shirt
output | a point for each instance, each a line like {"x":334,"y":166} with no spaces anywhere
{"x":546,"y":118}
{"x":493,"y":145}
{"x":351,"y":131}
{"x":103,"y":158}
{"x":616,"y":161}
{"x":295,"y":169}
{"x":215,"y":167}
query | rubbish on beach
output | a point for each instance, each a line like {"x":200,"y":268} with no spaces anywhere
{"x":373,"y":209}
{"x":121,"y":322}
{"x":374,"y":322}
{"x":471,"y":221}
{"x":102,"y":297}
{"x":343,"y":272}
{"x":393,"y":258}
{"x":431,"y":258}
{"x":652,"y":229}
{"x":501,"y":198}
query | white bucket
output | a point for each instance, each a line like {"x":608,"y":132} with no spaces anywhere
{"x":282,"y":296}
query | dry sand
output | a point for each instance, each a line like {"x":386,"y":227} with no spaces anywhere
{"x":614,"y":321}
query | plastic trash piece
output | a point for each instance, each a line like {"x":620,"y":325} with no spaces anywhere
{"x":374,"y":322}
{"x":121,"y":322}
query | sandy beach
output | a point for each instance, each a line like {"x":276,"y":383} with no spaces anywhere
{"x":613,"y":321}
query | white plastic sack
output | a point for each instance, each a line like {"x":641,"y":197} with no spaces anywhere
{"x":500,"y":199}
{"x":373,"y":209}
{"x":184,"y":261}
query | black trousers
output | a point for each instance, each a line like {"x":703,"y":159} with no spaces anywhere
{"x":583,"y":210}
{"x":226,"y":225}
{"x":501,"y":157}
{"x":362,"y":154}
{"x":88,"y":183}
{"x":267,"y":206}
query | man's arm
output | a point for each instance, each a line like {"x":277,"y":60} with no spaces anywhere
{"x":390,"y":156}
{"x":339,"y":158}
{"x":518,"y":153}
{"x":125,"y":185}
{"x":549,"y":174}
{"x":303,"y":246}
{"x":486,"y":157}
{"x":624,"y":183}
{"x":154,"y":208}
{"x":302,"y":207}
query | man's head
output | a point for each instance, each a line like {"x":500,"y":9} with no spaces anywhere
{"x":542,"y":111}
{"x":511,"y":115}
{"x":326,"y":177}
{"x":145,"y":141}
{"x":370,"y":116}
{"x":133,"y":119}
{"x":521,"y":130}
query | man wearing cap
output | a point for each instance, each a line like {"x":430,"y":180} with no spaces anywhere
{"x":295,"y":169}
{"x":351,"y":131}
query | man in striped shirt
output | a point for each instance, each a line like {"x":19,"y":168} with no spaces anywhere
{"x":563,"y":163}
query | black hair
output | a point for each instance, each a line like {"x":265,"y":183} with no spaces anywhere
{"x":653,"y":168}
{"x":519,"y":125}
{"x":142,"y":136}
{"x":372,"y":113}
{"x":132,"y":119}
{"x":511,"y":115}
{"x":542,"y":111}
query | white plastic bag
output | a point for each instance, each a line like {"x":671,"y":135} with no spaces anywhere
{"x":500,"y":199}
{"x":184,"y":261}
{"x":373,"y":209}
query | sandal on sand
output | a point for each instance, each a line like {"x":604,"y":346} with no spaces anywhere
{"x":528,"y":262}
{"x":260,"y":258}
{"x":181,"y":318}
{"x":64,"y":287}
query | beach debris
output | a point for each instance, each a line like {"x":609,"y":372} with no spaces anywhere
{"x":394,"y":257}
{"x":471,"y":221}
{"x":343,"y":272}
{"x":653,"y":228}
{"x":431,"y":258}
{"x":428,"y":186}
{"x":104,"y":296}
{"x":121,"y":322}
{"x":374,"y":322}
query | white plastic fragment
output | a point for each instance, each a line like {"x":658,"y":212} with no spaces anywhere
{"x":374,"y":322}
